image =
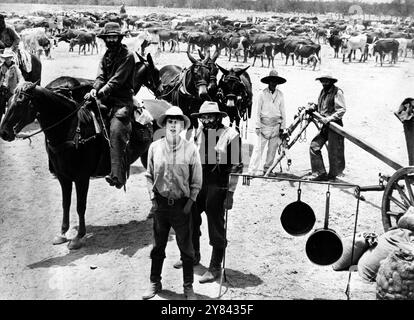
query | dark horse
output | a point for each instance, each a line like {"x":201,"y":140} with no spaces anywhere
{"x":76,"y":150}
{"x":211,"y":63}
{"x":186,"y":88}
{"x":235,"y":95}
{"x":75,"y":156}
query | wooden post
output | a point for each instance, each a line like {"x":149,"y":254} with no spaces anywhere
{"x":361,"y":143}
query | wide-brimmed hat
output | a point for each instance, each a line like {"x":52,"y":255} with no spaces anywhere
{"x":209,"y":107}
{"x":174,"y":112}
{"x":327,"y":77}
{"x":7,"y":53}
{"x":273,"y":75}
{"x":111,"y":29}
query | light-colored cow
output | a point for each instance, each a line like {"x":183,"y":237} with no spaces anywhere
{"x":36,"y":41}
{"x":354,"y":43}
{"x":402,"y":47}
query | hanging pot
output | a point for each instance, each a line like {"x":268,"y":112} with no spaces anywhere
{"x":324,"y":246}
{"x":298,"y":217}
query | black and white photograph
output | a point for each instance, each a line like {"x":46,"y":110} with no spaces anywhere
{"x":209,"y":150}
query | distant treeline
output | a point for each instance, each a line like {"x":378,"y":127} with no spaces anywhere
{"x":402,"y":8}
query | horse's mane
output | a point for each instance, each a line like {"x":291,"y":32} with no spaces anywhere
{"x":56,"y":97}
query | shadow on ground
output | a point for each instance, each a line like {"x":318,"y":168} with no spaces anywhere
{"x":128,"y":238}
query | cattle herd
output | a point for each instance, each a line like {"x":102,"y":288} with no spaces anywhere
{"x":294,"y":37}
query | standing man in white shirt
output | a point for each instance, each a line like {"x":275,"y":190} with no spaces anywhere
{"x":270,"y":122}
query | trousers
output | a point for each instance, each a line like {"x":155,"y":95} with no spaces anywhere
{"x":256,"y":162}
{"x":335,"y":148}
{"x":165,"y":217}
{"x":211,"y":201}
{"x":119,"y":135}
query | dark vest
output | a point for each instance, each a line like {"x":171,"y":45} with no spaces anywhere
{"x":328,"y":99}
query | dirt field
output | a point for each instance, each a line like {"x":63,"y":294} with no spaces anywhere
{"x":262,"y":261}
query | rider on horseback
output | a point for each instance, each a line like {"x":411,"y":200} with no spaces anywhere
{"x":114,"y":87}
{"x":10,"y":74}
{"x":10,"y":39}
{"x":8,"y":36}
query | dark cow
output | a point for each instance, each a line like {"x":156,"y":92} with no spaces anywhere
{"x":321,"y":33}
{"x":291,"y":44}
{"x":261,"y":49}
{"x":83,"y":39}
{"x":171,"y":37}
{"x":306,"y":50}
{"x":335,"y":42}
{"x":252,"y":38}
{"x":203,"y":40}
{"x":384,"y":46}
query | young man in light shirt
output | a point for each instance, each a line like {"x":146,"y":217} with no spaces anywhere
{"x":174,"y":178}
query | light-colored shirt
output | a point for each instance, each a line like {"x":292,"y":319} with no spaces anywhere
{"x":270,"y":106}
{"x":174,"y":172}
{"x":339,"y":108}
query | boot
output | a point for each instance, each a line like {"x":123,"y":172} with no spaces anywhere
{"x":214,"y":270}
{"x":197,"y":258}
{"x":189,"y":293}
{"x":155,"y":278}
{"x":152,"y":290}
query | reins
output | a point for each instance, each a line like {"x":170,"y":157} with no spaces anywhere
{"x":51,"y":126}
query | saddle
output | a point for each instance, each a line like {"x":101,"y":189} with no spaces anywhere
{"x":93,"y":127}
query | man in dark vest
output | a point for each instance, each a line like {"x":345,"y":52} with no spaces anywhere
{"x":220,"y":151}
{"x":114,"y":88}
{"x":331,"y":106}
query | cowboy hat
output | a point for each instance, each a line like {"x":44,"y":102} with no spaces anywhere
{"x":273,"y":75}
{"x":327,"y":77}
{"x":209,"y":107}
{"x":174,"y":111}
{"x":111,"y":29}
{"x":7,"y":53}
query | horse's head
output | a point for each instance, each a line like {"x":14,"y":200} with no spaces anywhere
{"x":20,"y":111}
{"x":200,"y":75}
{"x":232,"y":89}
{"x":149,"y":75}
{"x":211,"y":63}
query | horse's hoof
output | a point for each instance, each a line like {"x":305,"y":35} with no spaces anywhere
{"x":59,"y":240}
{"x":74,"y":244}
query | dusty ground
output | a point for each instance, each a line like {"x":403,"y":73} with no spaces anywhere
{"x":263,"y":261}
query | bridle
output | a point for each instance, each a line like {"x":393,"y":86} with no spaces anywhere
{"x":195,"y":68}
{"x":31,"y":106}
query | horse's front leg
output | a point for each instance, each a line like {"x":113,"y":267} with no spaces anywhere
{"x":82,"y":186}
{"x":66,"y":186}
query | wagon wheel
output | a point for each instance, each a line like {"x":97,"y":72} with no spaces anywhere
{"x":398,"y":196}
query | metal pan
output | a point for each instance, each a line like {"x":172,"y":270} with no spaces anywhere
{"x":298,"y":217}
{"x":324,"y":246}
